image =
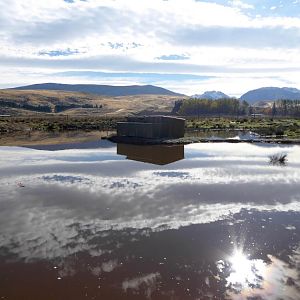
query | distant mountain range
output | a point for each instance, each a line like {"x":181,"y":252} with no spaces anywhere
{"x":271,"y":94}
{"x":264,"y":94}
{"x":213,"y":95}
{"x":103,"y":90}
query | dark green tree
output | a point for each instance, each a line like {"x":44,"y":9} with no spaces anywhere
{"x":274,"y":110}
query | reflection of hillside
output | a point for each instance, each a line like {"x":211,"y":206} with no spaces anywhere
{"x":154,"y":154}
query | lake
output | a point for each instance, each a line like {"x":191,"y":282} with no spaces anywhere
{"x":106,"y":221}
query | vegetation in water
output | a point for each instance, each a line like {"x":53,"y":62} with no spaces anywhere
{"x":278,"y":159}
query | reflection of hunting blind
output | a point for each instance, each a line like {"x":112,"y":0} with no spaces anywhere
{"x":154,"y":154}
{"x":152,"y":127}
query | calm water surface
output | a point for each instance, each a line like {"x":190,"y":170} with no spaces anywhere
{"x":203,"y":221}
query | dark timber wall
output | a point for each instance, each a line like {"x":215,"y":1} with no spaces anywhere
{"x":152,"y":127}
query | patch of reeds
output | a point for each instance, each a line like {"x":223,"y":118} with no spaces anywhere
{"x":279,"y":159}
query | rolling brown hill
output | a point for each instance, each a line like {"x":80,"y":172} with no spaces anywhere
{"x":27,"y":102}
{"x":102,"y":90}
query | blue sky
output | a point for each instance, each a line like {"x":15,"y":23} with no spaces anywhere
{"x":266,"y":8}
{"x":187,"y":46}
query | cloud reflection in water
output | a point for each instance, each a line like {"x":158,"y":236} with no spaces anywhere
{"x":172,"y":228}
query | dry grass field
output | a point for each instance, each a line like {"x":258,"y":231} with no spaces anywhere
{"x":112,"y":106}
{"x":74,"y":123}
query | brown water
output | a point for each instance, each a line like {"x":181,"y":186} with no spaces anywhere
{"x":210,"y":221}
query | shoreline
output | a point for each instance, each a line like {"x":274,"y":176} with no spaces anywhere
{"x":56,"y":138}
{"x":51,"y":138}
{"x":191,"y":140}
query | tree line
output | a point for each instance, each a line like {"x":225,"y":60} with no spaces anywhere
{"x":234,"y":107}
{"x":226,"y":106}
{"x":285,"y":108}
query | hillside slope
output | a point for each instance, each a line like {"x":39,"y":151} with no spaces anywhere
{"x":271,"y":94}
{"x":103,"y":90}
{"x":19,"y":102}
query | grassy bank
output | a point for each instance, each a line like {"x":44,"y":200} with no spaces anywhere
{"x":13,"y":125}
{"x":16,"y":131}
{"x":64,"y":129}
{"x":288,"y":127}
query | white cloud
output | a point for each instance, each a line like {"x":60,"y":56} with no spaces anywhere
{"x":119,"y":36}
{"x":47,"y":217}
{"x":241,"y":4}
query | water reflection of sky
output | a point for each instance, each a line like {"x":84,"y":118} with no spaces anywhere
{"x":222,"y":222}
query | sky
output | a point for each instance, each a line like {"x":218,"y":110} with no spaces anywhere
{"x":188,"y":46}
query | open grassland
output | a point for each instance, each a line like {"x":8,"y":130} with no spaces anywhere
{"x":59,"y":116}
{"x":20,"y":103}
{"x":59,"y":123}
